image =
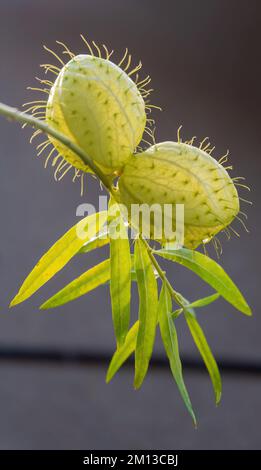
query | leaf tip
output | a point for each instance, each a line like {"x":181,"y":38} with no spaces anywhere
{"x":248,"y":311}
{"x":193,"y":416}
{"x":244,"y":308}
{"x":218,"y":398}
{"x":45,"y":306}
{"x":137,"y":382}
{"x":109,"y":375}
{"x":15,"y":301}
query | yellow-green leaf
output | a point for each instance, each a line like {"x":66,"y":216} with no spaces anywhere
{"x":120,"y":285}
{"x":123,"y":352}
{"x":59,"y":254}
{"x":101,"y":239}
{"x":204,"y":301}
{"x":88,"y":281}
{"x":205,"y":351}
{"x":170,"y":341}
{"x":148,"y":300}
{"x":83,"y":284}
{"x":211,"y":272}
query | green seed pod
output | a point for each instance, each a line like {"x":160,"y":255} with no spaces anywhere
{"x":98,"y":106}
{"x":178,"y":173}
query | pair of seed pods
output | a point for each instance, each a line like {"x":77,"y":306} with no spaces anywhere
{"x":98,"y":106}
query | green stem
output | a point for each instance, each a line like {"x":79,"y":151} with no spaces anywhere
{"x":174,"y":294}
{"x":16,"y":115}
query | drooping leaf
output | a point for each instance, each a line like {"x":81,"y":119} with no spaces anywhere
{"x":205,"y":351}
{"x":59,"y":254}
{"x":83,"y":284}
{"x":170,"y":341}
{"x":120,"y":284}
{"x":204,"y":301}
{"x":101,"y":239}
{"x":123,"y":352}
{"x":148,"y":299}
{"x":94,"y":277}
{"x":211,"y":272}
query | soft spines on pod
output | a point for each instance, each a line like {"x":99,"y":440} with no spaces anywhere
{"x":178,"y":173}
{"x":98,"y":106}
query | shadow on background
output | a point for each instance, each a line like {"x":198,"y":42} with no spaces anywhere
{"x":204,"y":59}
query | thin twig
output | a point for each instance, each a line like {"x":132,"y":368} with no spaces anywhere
{"x":179,"y":299}
{"x":16,"y":115}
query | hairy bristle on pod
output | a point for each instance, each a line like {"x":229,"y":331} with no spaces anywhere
{"x":98,"y":106}
{"x":179,"y":173}
{"x":101,"y":106}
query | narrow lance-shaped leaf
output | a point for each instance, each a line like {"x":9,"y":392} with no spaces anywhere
{"x":94,"y":277}
{"x":211,"y":272}
{"x":120,"y":285}
{"x":148,"y":299}
{"x":170,"y":341}
{"x":123,"y":352}
{"x":59,"y":254}
{"x":98,"y":241}
{"x":204,"y":349}
{"x":88,"y":281}
{"x":204,"y":301}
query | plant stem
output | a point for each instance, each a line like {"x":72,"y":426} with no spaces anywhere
{"x":174,"y":294}
{"x":16,"y":115}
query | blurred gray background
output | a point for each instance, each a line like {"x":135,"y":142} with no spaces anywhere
{"x":204,"y":59}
